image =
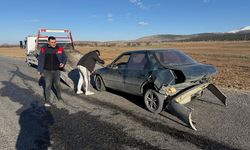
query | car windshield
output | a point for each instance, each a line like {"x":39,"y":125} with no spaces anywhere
{"x":172,"y":58}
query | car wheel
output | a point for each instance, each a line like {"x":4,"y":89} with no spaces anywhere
{"x":153,"y":101}
{"x":99,"y":84}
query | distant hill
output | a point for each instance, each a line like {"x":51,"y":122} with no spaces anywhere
{"x":164,"y":37}
{"x":241,"y":30}
{"x":234,"y":35}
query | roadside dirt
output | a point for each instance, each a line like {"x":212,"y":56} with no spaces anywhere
{"x":12,"y":52}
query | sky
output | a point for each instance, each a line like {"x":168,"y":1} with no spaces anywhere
{"x":108,"y":20}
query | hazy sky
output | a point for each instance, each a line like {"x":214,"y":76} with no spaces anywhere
{"x":120,"y":19}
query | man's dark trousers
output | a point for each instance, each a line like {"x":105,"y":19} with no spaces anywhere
{"x":52,"y":78}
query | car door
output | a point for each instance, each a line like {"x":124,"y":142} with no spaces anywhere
{"x":136,"y":73}
{"x":115,"y":73}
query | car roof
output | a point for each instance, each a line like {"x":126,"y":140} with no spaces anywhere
{"x":150,"y":50}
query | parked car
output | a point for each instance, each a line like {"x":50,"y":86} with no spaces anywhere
{"x":166,"y":78}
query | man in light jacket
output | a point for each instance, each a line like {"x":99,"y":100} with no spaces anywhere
{"x":86,"y":67}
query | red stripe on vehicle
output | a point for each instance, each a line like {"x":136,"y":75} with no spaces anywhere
{"x":43,"y":49}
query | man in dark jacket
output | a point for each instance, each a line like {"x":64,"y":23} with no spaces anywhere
{"x":51,"y":59}
{"x":86,"y":66}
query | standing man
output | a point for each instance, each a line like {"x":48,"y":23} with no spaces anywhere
{"x":86,"y":67}
{"x":51,"y":59}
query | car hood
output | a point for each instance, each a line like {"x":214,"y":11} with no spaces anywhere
{"x":196,"y":71}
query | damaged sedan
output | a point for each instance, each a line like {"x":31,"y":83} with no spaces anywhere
{"x":166,"y":78}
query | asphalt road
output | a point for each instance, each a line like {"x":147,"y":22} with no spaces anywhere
{"x":111,"y":120}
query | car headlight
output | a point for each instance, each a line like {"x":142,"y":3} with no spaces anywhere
{"x":170,"y":90}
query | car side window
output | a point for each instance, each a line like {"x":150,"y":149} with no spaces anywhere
{"x":122,"y":61}
{"x":137,"y":61}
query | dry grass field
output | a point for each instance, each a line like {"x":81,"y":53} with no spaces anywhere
{"x":12,"y":52}
{"x":232,"y":59}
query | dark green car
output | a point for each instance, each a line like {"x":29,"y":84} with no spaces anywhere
{"x":166,"y":78}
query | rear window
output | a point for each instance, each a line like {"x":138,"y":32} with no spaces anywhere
{"x":171,"y":58}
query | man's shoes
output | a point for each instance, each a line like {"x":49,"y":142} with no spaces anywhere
{"x":79,"y":92}
{"x":89,"y":93}
{"x":47,"y":104}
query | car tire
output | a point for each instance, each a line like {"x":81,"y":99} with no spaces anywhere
{"x":153,"y":101}
{"x":99,"y":84}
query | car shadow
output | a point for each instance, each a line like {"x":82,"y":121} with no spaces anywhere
{"x":209,"y":102}
{"x":137,"y":100}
